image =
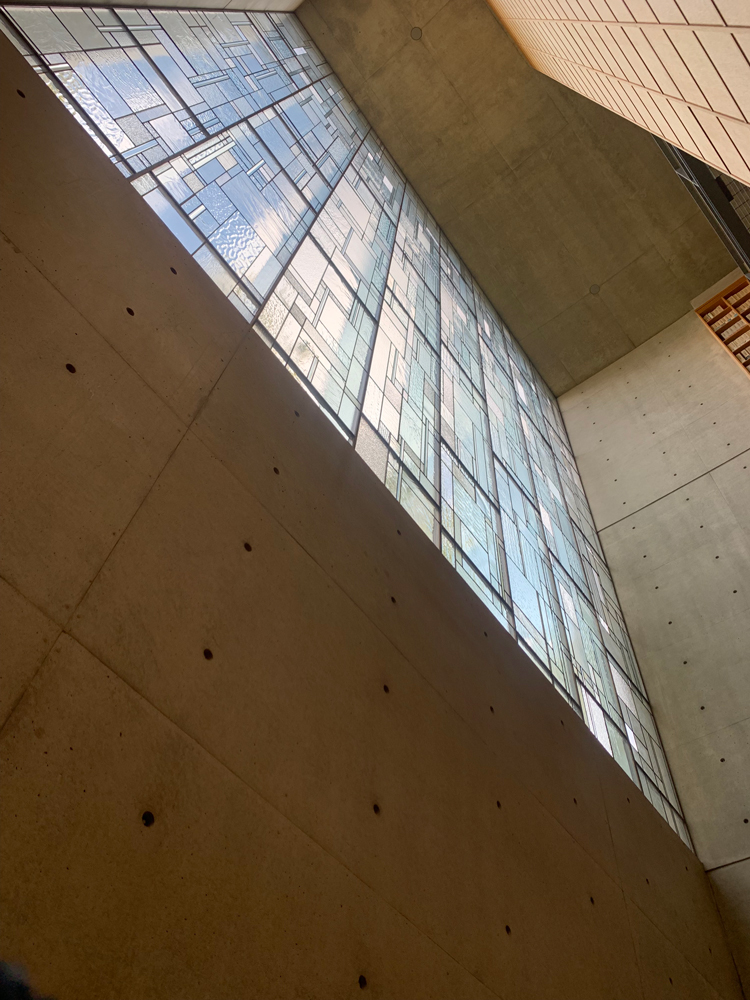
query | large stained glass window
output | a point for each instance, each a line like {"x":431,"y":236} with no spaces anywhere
{"x":238,"y":135}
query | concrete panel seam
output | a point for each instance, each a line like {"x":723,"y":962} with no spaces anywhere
{"x":464,"y":722}
{"x":689,"y":482}
{"x":712,"y":732}
{"x":95,"y":577}
{"x":30,"y":681}
{"x":662,"y":932}
{"x":737,"y":861}
{"x":104,"y":666}
{"x":78,"y":312}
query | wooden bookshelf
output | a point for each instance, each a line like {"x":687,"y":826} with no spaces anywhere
{"x":727,"y":316}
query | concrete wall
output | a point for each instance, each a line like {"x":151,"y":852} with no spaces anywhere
{"x":545,"y":194}
{"x":662,"y":440}
{"x":216,"y":614}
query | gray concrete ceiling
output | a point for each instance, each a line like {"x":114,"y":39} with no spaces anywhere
{"x":545,"y":194}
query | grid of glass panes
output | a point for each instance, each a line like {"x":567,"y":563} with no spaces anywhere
{"x":237,"y":134}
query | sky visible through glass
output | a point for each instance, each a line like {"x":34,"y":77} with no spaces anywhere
{"x":238,"y":135}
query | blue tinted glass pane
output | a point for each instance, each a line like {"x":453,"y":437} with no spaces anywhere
{"x":402,"y":398}
{"x":323,"y":329}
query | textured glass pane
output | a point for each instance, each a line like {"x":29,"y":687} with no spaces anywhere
{"x":417,"y":261}
{"x":323,"y":329}
{"x":239,"y":199}
{"x":472,"y":522}
{"x":356,"y":232}
{"x":532,"y":586}
{"x":459,"y":331}
{"x":414,"y":501}
{"x":328,"y":125}
{"x":402,"y":398}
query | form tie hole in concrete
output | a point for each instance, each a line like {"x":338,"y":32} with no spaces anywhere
{"x":208,"y":654}
{"x":173,"y":270}
{"x":416,"y":34}
{"x":248,"y":547}
{"x":591,"y":900}
{"x":575,"y":802}
{"x":594,"y":289}
{"x":703,"y":708}
{"x":684,"y":663}
{"x":362,"y":982}
{"x":386,"y":689}
{"x":507,"y":930}
{"x":20,"y":93}
{"x":393,"y":600}
{"x":746,"y":821}
{"x":734,"y":591}
{"x":376,"y":809}
{"x":276,"y":471}
{"x":669,"y":623}
{"x":722,"y":760}
{"x":492,"y":710}
{"x":147,"y":818}
{"x":129,"y":311}
{"x":498,"y":804}
{"x":71,"y":369}
{"x":647,"y":882}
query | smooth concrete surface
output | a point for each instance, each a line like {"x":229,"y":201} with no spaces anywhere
{"x":662,"y":440}
{"x":545,"y":194}
{"x":241,"y":592}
